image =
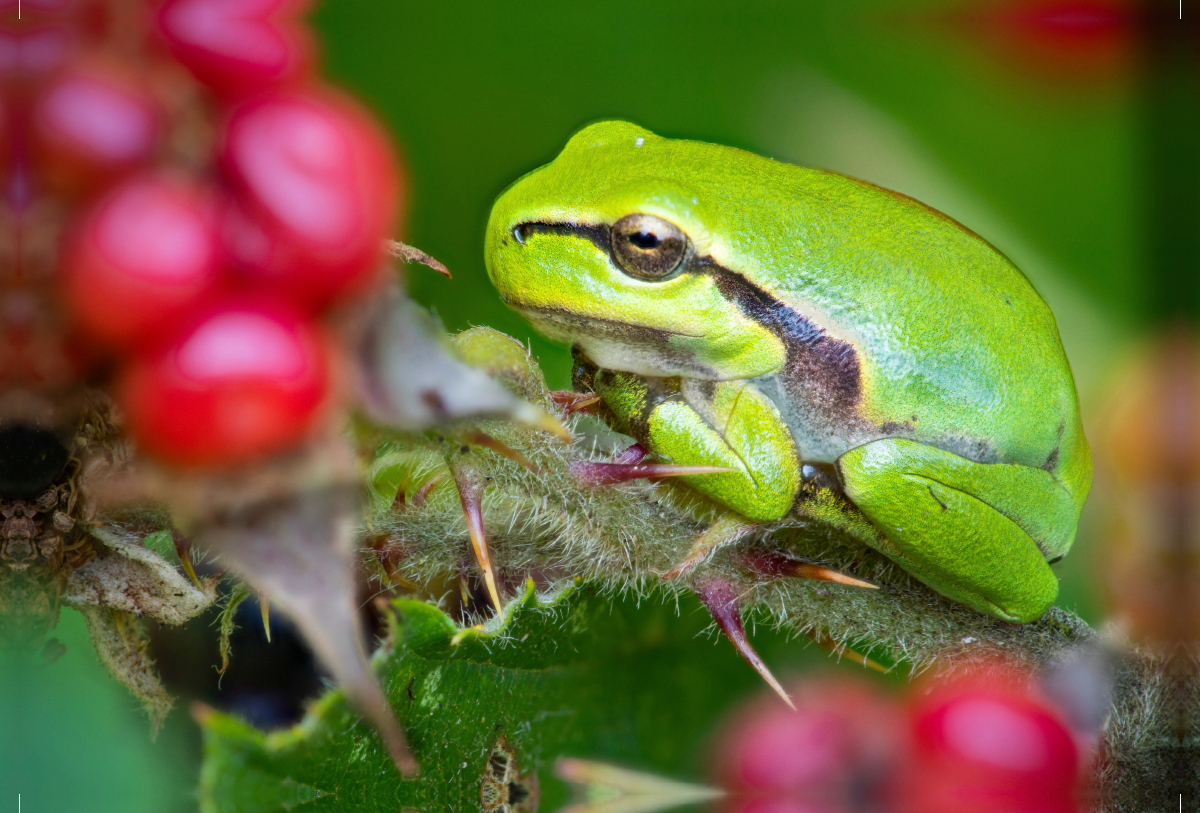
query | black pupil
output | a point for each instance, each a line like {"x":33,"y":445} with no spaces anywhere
{"x":644,"y":240}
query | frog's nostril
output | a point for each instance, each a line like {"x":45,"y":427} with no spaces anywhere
{"x":521,"y":232}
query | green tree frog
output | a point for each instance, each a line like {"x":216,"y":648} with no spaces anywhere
{"x":846,"y":353}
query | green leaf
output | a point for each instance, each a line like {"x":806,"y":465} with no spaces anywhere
{"x":569,"y":673}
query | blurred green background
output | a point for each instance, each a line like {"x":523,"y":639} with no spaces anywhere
{"x":1044,"y":146}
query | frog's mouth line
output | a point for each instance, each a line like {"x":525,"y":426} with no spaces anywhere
{"x":601,"y":328}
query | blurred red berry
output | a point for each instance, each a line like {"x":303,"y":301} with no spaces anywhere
{"x":242,"y":381}
{"x":45,"y":6}
{"x":238,"y":46}
{"x":141,"y":258}
{"x":34,"y":52}
{"x":318,"y":194}
{"x":91,"y":124}
{"x":785,"y":805}
{"x":986,"y":743}
{"x":836,"y":747}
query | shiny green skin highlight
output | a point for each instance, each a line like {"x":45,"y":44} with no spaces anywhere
{"x":818,"y":320}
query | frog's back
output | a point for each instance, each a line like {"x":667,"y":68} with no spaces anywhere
{"x":898,"y":321}
{"x":917,"y":327}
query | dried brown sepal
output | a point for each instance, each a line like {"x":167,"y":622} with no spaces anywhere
{"x":122,"y":649}
{"x":411,"y":254}
{"x":128,"y":577}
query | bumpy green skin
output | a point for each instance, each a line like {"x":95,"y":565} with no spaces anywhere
{"x":818,"y":319}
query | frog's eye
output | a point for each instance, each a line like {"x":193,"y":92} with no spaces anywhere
{"x":648,"y":247}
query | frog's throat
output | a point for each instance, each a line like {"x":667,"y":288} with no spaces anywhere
{"x":621,"y":346}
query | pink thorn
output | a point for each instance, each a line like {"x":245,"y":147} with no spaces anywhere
{"x":721,"y":600}
{"x":772,"y":564}
{"x":606,"y":474}
{"x":632,"y":456}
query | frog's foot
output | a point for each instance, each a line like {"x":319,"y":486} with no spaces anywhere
{"x":470,"y":493}
{"x":977,"y":533}
{"x":628,"y":466}
{"x":773,"y":564}
{"x":722,"y":601}
{"x":725,"y":531}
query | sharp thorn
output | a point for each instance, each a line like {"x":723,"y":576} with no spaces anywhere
{"x":422,"y":494}
{"x":530,"y":415}
{"x":471,"y":495}
{"x":410,"y":254}
{"x":572,"y":402}
{"x":721,"y":601}
{"x":183,"y":549}
{"x":631,"y":456}
{"x":728,"y":528}
{"x":504,"y":450}
{"x":804,"y":570}
{"x":605,"y":474}
{"x":773,"y":564}
{"x":823,"y":640}
{"x":264,"y":604}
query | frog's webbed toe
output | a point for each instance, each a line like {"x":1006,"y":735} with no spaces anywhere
{"x":977,"y":533}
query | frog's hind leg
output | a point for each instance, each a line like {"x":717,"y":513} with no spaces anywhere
{"x":977,"y":533}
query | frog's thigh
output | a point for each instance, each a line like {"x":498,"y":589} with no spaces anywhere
{"x":969,"y":530}
{"x":755,"y":444}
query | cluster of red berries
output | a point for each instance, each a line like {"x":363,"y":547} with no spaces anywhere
{"x":220,"y":202}
{"x":983,"y":741}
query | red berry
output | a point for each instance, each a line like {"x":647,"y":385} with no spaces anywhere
{"x":237,"y":46}
{"x":141,"y":258}
{"x":47,"y":6}
{"x":93,"y":123}
{"x":839,"y":743}
{"x":34,"y":52}
{"x":783,"y":804}
{"x":242,"y":381}
{"x":318,"y":195}
{"x":987,"y":743}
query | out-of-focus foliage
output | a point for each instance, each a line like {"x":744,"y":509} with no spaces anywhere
{"x":565,"y":674}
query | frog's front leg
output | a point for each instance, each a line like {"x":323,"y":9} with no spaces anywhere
{"x":726,"y":424}
{"x":729,"y":425}
{"x":977,"y":533}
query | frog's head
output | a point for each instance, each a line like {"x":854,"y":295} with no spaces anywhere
{"x":613,"y":248}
